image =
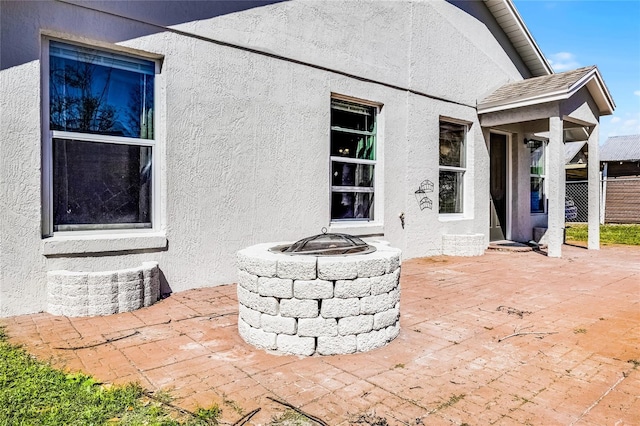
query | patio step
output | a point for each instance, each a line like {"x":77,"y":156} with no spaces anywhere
{"x":506,"y":245}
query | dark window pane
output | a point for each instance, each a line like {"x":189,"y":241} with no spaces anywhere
{"x":350,"y":174}
{"x":452,"y":144}
{"x":537,"y":195}
{"x":99,"y":92}
{"x":352,"y":146}
{"x":352,"y":205}
{"x":451,"y":191}
{"x":101,"y":184}
{"x":352,"y":116}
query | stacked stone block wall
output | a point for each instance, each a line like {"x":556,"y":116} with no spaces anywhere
{"x":79,"y":294}
{"x":463,"y":245}
{"x":308,"y":305}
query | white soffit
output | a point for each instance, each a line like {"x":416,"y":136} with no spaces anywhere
{"x":513,"y":26}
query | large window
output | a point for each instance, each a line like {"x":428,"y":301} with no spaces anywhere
{"x":100,"y":145}
{"x":452,"y":166}
{"x":538,"y":198}
{"x":353,"y":160}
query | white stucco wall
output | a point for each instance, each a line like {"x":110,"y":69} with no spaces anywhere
{"x":244,"y":135}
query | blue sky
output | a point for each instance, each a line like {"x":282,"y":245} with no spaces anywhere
{"x":606,"y":33}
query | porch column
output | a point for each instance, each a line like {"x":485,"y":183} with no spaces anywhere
{"x":593,"y":176}
{"x":556,"y":187}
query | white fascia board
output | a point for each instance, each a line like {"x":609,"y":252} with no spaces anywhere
{"x":533,"y":46}
{"x":602,"y":91}
{"x":524,"y":102}
{"x":585,"y":78}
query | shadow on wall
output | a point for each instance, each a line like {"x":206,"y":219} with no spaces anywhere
{"x":165,"y":289}
{"x":479,"y":11}
{"x":16,"y":18}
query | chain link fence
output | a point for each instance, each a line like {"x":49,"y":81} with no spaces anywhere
{"x":576,"y":205}
{"x":619,"y":201}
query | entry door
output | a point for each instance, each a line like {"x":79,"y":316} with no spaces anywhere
{"x":498,"y":186}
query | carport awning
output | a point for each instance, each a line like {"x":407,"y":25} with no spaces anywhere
{"x":549,"y":88}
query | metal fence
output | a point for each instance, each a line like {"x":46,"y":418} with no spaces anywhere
{"x":577,"y":201}
{"x":619,"y":201}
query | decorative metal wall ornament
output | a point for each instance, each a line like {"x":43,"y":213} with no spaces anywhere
{"x":424,"y":201}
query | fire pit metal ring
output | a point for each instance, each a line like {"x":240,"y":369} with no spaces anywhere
{"x":326,"y":244}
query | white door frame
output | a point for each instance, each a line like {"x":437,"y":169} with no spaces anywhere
{"x":509,"y":185}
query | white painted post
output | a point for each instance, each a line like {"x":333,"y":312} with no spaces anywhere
{"x":593,"y":175}
{"x":556,"y":177}
{"x":603,"y":208}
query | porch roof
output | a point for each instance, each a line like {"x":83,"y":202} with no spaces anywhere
{"x":548,"y":88}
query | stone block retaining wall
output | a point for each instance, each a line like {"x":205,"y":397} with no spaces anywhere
{"x":79,"y":294}
{"x":463,"y":245}
{"x":309,"y":305}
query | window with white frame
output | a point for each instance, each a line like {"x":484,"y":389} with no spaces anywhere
{"x":100,"y":147}
{"x":538,"y":175}
{"x":353,"y":160}
{"x":452,"y":166}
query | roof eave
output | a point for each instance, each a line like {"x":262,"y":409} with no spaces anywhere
{"x":532,"y":42}
{"x":628,"y":160}
{"x":539,"y":65}
{"x":599,"y":91}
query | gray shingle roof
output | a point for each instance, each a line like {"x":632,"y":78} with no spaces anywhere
{"x":621,"y":148}
{"x":534,"y":87}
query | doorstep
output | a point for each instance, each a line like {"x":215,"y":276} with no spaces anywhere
{"x":506,"y":245}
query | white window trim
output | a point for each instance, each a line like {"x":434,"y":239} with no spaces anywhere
{"x":542,"y":176}
{"x":373,"y":226}
{"x":465,"y":171}
{"x":102,"y":242}
{"x":47,"y":153}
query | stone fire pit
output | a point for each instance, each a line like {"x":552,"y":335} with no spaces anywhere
{"x":322,"y":305}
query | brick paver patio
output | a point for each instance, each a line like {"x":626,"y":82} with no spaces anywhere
{"x":452,"y":363}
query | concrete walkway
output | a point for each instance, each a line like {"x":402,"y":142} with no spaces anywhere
{"x":575,"y":361}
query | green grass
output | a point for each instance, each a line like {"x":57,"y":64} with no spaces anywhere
{"x":609,"y":234}
{"x":34,"y":393}
{"x":291,"y":418}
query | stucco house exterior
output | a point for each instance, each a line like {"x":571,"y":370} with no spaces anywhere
{"x":176,"y":133}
